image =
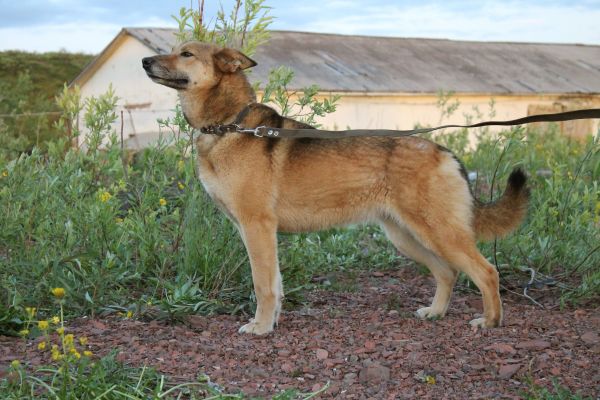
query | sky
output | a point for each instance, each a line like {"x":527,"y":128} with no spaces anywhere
{"x":89,"y":25}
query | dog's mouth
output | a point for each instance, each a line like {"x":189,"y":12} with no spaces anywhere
{"x":176,"y":83}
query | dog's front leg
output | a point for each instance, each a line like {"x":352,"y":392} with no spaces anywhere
{"x":260,"y":238}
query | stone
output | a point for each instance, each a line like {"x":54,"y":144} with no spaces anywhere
{"x":374,"y":373}
{"x":508,"y":370}
{"x":533,"y":345}
{"x":590,"y":338}
{"x":322,"y":354}
{"x":501,"y":348}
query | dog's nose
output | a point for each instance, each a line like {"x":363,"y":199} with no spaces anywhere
{"x":147,"y":62}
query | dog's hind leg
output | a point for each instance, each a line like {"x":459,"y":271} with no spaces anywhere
{"x":260,"y":238}
{"x":445,"y":277}
{"x":455,"y":246}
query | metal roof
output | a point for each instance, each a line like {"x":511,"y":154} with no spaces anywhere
{"x":342,"y":63}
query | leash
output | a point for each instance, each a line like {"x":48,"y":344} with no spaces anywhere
{"x":265,"y":131}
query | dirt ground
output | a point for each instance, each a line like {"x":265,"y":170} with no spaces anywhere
{"x":367,"y":344}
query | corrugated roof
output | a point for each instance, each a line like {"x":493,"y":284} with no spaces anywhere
{"x":342,"y":63}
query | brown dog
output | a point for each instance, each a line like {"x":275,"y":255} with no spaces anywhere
{"x":416,"y":190}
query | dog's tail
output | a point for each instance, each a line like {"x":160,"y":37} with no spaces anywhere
{"x":504,"y":215}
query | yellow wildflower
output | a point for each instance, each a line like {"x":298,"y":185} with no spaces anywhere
{"x":43,"y":325}
{"x":55,"y":320}
{"x":56,"y":356}
{"x":61,"y":331}
{"x":30,"y":311}
{"x":430,"y":380}
{"x":119,"y":220}
{"x":24,"y":332}
{"x":5,"y":173}
{"x":77,"y":355}
{"x":58,"y":292}
{"x":162,"y":202}
{"x":180,"y":185}
{"x":42,"y":346}
{"x":69,"y":339}
{"x":129,"y":314}
{"x":15,"y":363}
{"x":105,"y":196}
{"x":83,"y":340}
{"x":88,"y":353}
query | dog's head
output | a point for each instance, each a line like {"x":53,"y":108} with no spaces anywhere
{"x":195,"y":65}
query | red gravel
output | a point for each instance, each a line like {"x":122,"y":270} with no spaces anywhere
{"x":367,"y":344}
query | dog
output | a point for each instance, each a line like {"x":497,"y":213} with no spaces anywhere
{"x":415,"y":189}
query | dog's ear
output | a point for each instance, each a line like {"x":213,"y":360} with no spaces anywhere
{"x":230,"y":60}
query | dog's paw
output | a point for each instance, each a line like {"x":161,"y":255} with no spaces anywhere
{"x":428,"y":313}
{"x":483,"y":323}
{"x":255,"y":328}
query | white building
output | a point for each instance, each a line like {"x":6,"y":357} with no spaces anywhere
{"x":384,"y":82}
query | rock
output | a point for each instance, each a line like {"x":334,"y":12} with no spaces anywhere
{"x":533,"y":345}
{"x":590,"y":338}
{"x":284,"y":353}
{"x":322,"y":354}
{"x":349,"y":377}
{"x":501,"y":348}
{"x":374,"y":373}
{"x":370,"y":345}
{"x":507,"y":371}
{"x":287,"y":367}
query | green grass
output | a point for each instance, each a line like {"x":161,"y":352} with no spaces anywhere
{"x":29,"y":83}
{"x":557,"y":392}
{"x":48,"y":71}
{"x":106,"y":378}
{"x":147,"y":239}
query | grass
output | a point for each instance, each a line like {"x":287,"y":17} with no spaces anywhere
{"x":146,"y":238}
{"x":48,"y":71}
{"x":29,"y":83}
{"x":557,"y":392}
{"x":137,"y":234}
{"x":107,"y":378}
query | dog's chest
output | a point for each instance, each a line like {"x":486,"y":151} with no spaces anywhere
{"x":215,"y":189}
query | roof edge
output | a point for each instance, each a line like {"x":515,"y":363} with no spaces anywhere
{"x":132,"y":29}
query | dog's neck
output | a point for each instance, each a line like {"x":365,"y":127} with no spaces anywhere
{"x":219,"y":104}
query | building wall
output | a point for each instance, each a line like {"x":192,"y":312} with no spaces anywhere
{"x":405,"y":111}
{"x":143,"y":102}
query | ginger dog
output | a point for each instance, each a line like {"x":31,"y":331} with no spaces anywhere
{"x":415,"y":189}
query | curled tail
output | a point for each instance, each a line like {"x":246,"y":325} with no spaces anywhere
{"x":504,"y":215}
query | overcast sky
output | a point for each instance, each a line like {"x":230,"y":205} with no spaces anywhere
{"x":88,"y":25}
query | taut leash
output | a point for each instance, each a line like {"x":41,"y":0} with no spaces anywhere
{"x":265,"y":131}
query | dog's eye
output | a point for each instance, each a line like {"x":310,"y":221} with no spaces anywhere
{"x":186,"y":54}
